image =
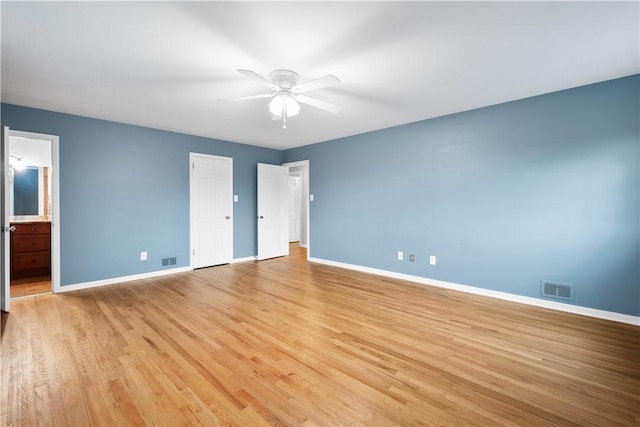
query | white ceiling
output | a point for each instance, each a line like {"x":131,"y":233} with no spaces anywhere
{"x":165,"y":64}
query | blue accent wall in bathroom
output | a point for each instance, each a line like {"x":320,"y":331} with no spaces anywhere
{"x":544,"y":188}
{"x":25,"y":191}
{"x":125,"y":189}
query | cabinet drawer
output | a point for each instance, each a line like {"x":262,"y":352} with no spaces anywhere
{"x":32,"y":228}
{"x":34,"y":243}
{"x":30,"y":260}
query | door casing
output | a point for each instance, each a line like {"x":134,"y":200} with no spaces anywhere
{"x":55,"y":205}
{"x":306,"y":233}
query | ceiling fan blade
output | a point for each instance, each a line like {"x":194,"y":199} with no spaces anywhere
{"x":319,"y":83}
{"x":255,"y":76}
{"x":326,"y":106}
{"x":244,"y":98}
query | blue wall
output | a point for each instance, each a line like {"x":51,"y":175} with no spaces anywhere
{"x":125,"y":189}
{"x":505,"y":196}
{"x":25,"y":191}
{"x":545,"y":188}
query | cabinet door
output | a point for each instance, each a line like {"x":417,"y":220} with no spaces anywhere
{"x":32,"y":228}
{"x":34,"y":243}
{"x":31,"y":261}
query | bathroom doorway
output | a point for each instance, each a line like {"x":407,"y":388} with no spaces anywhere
{"x":32,"y":193}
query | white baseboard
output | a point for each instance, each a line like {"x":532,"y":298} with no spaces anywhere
{"x":585,"y":311}
{"x":245,"y":259}
{"x":112,"y":281}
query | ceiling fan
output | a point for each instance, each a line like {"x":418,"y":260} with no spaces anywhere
{"x":287,"y":94}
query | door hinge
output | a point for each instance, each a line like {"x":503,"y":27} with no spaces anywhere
{"x":193,"y":251}
{"x":193,"y":165}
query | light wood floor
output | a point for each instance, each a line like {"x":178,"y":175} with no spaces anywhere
{"x":32,"y":286}
{"x":286,"y":342}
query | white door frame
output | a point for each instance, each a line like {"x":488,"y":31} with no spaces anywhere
{"x":5,"y":284}
{"x":55,"y":200}
{"x":192,"y":155}
{"x":305,"y":190}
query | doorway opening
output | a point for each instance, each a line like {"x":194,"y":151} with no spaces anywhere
{"x":33,"y":213}
{"x":299,"y":207}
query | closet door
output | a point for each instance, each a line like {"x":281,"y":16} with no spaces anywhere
{"x":211,"y":188}
{"x":273,"y":211}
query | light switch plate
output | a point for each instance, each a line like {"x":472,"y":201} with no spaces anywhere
{"x":432,"y":260}
{"x":235,"y":198}
{"x":311,"y":197}
{"x":143,"y":256}
{"x":400,"y":255}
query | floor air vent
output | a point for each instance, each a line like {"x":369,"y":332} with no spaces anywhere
{"x":168,"y":262}
{"x":557,"y":290}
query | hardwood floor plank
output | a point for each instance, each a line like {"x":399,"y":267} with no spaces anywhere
{"x":286,"y":342}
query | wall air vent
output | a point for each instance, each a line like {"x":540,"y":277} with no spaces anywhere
{"x":557,"y":290}
{"x":169,"y":261}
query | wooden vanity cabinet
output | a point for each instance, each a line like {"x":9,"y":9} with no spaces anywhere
{"x":31,"y":250}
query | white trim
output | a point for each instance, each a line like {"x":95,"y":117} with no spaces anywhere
{"x":584,"y":311}
{"x":245,"y":259}
{"x":55,"y":200}
{"x":192,"y":156}
{"x":113,"y":281}
{"x":305,"y":183}
{"x":150,"y":275}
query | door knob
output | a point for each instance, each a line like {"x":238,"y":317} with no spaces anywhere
{"x":227,"y":217}
{"x":261,"y":217}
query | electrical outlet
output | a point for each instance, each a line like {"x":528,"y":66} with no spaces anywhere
{"x":432,"y":260}
{"x":143,"y":256}
{"x":400,"y":255}
{"x":412,"y":258}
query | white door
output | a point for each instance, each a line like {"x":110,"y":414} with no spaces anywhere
{"x":4,"y":234}
{"x":211,"y":188}
{"x":273,"y":211}
{"x":295,"y":207}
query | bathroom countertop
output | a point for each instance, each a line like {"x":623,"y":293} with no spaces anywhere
{"x":16,"y":220}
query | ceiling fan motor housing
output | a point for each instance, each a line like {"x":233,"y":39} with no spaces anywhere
{"x":285,"y":79}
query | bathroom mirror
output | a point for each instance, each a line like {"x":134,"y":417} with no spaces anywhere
{"x":30,"y":186}
{"x":30,"y":192}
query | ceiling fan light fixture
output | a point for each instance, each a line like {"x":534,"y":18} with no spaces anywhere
{"x":284,"y":103}
{"x":291,"y":106}
{"x":276,"y":105}
{"x":16,"y":164}
{"x":287,"y":94}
